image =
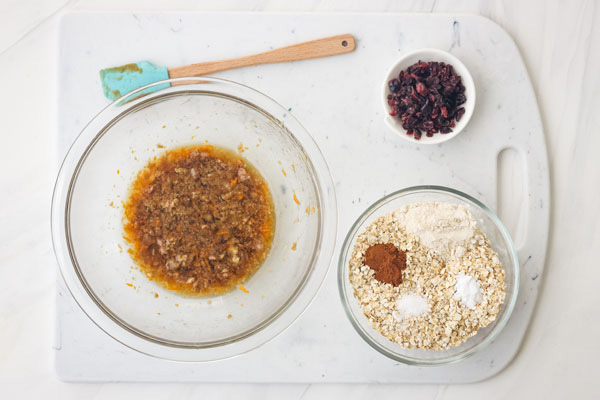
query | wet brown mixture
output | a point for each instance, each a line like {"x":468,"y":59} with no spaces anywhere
{"x":199,"y":219}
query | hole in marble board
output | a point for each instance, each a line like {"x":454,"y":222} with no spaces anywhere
{"x":511,"y":194}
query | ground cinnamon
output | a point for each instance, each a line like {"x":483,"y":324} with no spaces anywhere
{"x":387,"y":262}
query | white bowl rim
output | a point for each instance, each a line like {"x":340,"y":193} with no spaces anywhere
{"x":470,"y":91}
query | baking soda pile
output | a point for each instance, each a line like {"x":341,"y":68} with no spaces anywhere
{"x":452,"y":286}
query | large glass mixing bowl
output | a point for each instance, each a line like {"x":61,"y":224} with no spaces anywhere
{"x":87,"y":219}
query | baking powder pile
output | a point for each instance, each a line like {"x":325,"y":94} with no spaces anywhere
{"x":453,"y":283}
{"x":468,"y":290}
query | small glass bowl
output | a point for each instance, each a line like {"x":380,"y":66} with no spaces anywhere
{"x":501,"y":243}
{"x":87,"y":219}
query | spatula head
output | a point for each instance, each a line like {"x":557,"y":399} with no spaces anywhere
{"x":118,"y":81}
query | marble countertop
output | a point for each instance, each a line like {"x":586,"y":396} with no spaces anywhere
{"x":559,"y":44}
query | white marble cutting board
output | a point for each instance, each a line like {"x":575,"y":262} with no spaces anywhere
{"x":338,"y":101}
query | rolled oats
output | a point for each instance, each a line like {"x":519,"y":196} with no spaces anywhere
{"x":428,"y":274}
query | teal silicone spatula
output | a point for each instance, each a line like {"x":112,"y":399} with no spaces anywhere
{"x":118,"y":81}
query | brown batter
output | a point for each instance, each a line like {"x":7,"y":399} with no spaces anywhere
{"x":199,"y":219}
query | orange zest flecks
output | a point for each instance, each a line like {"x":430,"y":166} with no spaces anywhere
{"x":229,"y":316}
{"x":294,"y":167}
{"x":164,"y":126}
{"x":296,"y":199}
{"x":243,"y":289}
{"x":294,"y":246}
{"x":130,"y":285}
{"x":118,"y":172}
{"x":283,"y":170}
{"x":160,"y":146}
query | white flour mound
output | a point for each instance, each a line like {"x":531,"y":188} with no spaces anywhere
{"x":443,"y":227}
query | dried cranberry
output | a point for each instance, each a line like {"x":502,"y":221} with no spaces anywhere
{"x":427,"y":97}
{"x":422,"y":89}
{"x":394,"y":85}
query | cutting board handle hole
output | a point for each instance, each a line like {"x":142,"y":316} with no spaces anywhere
{"x":511,"y":194}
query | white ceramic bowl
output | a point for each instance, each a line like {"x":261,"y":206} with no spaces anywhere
{"x":430,"y":55}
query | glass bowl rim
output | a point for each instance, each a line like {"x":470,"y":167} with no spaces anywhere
{"x":341,"y":276}
{"x":287,"y":314}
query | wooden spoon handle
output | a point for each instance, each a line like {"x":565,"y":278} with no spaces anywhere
{"x":329,"y":46}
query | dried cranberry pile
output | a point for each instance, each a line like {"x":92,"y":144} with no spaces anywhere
{"x":427,"y":97}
